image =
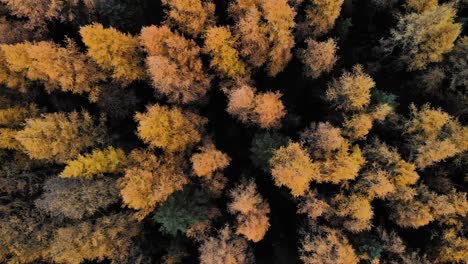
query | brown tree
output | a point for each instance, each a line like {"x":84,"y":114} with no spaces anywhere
{"x":210,"y":160}
{"x":191,"y":17}
{"x":318,"y":58}
{"x":320,"y":15}
{"x":251,"y":210}
{"x":174,"y":64}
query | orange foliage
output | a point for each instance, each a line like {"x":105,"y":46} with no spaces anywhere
{"x":190,"y":16}
{"x":209,"y":161}
{"x":318,"y":58}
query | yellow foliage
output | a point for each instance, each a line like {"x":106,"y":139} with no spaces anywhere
{"x":351,"y":92}
{"x":312,"y":206}
{"x":342,"y":165}
{"x":405,"y":174}
{"x":322,"y":136}
{"x":222,"y":47}
{"x":375,"y":184}
{"x":114,"y":51}
{"x":58,"y":137}
{"x":190,"y":16}
{"x":8,"y":140}
{"x":150,"y":180}
{"x":321,"y":15}
{"x":97,"y":163}
{"x":411,"y":213}
{"x":426,"y":123}
{"x":169,"y":128}
{"x":174,"y":64}
{"x":269,"y":109}
{"x":356,"y":210}
{"x":292,"y":167}
{"x":251,"y":210}
{"x":421,"y":6}
{"x":358,"y":126}
{"x":454,"y":247}
{"x":14,"y":116}
{"x":209,"y":161}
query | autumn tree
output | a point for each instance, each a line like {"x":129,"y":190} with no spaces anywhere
{"x":421,"y":6}
{"x":8,"y":139}
{"x":265,"y":109}
{"x":357,"y":126}
{"x":191,"y":17}
{"x":97,"y":163}
{"x":58,"y":137}
{"x":314,"y":207}
{"x":424,"y":38}
{"x":108,"y":237}
{"x":351,"y":92}
{"x":210,"y":160}
{"x":265,"y":32}
{"x":327,"y":246}
{"x":318,"y":58}
{"x":356,"y":211}
{"x":222,"y":48}
{"x":263,"y":147}
{"x":375,"y":184}
{"x":225,"y":247}
{"x":60,"y":68}
{"x":150,"y":180}
{"x":76,"y":199}
{"x":320,"y":15}
{"x":251,"y":210}
{"x":453,"y":248}
{"x":114,"y":51}
{"x":291,"y":166}
{"x":322,"y":137}
{"x":169,"y":128}
{"x":174,"y":64}
{"x":13,"y":116}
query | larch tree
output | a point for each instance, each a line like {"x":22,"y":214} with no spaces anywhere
{"x":313,"y":206}
{"x":269,"y":110}
{"x":421,"y":6}
{"x":76,"y":199}
{"x":241,"y":102}
{"x":191,"y":17}
{"x":96,"y":164}
{"x":210,"y":160}
{"x":424,"y":38}
{"x":250,"y":209}
{"x":320,"y":16}
{"x":114,"y":51}
{"x":222,"y":47}
{"x":149,"y":180}
{"x":265,"y":32}
{"x":170,"y":129}
{"x":58,"y":137}
{"x":351,"y":91}
{"x":357,"y":126}
{"x":174,"y":64}
{"x":108,"y":237}
{"x":291,"y":166}
{"x":226,"y":248}
{"x":322,"y":137}
{"x":327,"y":246}
{"x":355,"y":210}
{"x":318,"y":58}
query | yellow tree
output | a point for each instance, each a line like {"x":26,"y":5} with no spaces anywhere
{"x":342,"y":165}
{"x":114,"y":51}
{"x":426,"y":37}
{"x":421,"y":6}
{"x":58,"y":137}
{"x":355,"y":210}
{"x":320,"y":15}
{"x":318,"y":58}
{"x":191,"y":17}
{"x":150,"y":180}
{"x":351,"y":92}
{"x":174,"y":64}
{"x":251,"y":210}
{"x":291,"y":166}
{"x":97,"y":163}
{"x":209,"y":161}
{"x":169,"y":128}
{"x":222,"y":47}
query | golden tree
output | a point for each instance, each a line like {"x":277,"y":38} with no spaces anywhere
{"x":321,"y":15}
{"x":421,"y":6}
{"x":222,"y":47}
{"x":318,"y":58}
{"x":322,"y":136}
{"x":356,"y":211}
{"x":8,"y":139}
{"x":291,"y":166}
{"x":351,"y":92}
{"x":358,"y":126}
{"x":174,"y":64}
{"x":169,"y":128}
{"x":59,"y":137}
{"x":269,"y":109}
{"x":225,"y":248}
{"x":327,"y":246}
{"x":424,"y":38}
{"x":150,"y":180}
{"x":191,"y":17}
{"x":209,"y":161}
{"x":342,"y":165}
{"x":251,"y":210}
{"x":97,"y":163}
{"x":312,"y":206}
{"x":114,"y":51}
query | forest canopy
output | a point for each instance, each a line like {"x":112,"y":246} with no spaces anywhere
{"x":236,"y":132}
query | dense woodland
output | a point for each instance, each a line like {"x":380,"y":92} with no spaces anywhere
{"x":235,"y":131}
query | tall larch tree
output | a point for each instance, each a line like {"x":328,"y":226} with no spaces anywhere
{"x":170,"y":129}
{"x":58,"y":137}
{"x":208,"y":161}
{"x":150,"y":180}
{"x":116,"y":52}
{"x":174,"y":64}
{"x":320,"y":16}
{"x":251,"y":210}
{"x":318,"y":58}
{"x":191,"y":17}
{"x":291,"y":166}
